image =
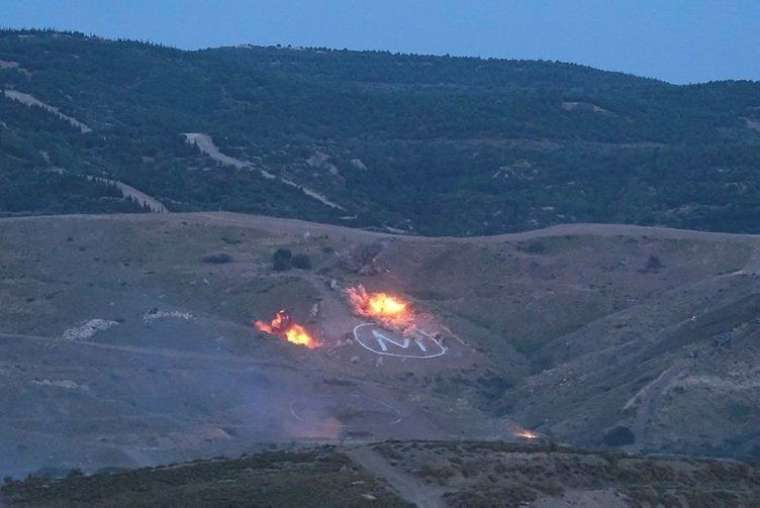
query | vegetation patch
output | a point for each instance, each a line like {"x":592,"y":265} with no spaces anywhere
{"x":217,"y":259}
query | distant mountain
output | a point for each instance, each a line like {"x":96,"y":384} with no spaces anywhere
{"x":434,"y":145}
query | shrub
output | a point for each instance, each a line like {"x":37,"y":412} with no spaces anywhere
{"x":653,"y":264}
{"x":493,"y":386}
{"x":301,"y":261}
{"x":74,"y":473}
{"x":438,"y":473}
{"x":739,"y":412}
{"x":218,"y":259}
{"x":619,"y":436}
{"x":534,"y":247}
{"x":282,"y":259}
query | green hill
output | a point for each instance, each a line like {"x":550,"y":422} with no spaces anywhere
{"x":371,"y":139}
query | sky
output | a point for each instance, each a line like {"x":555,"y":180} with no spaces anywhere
{"x":680,"y":41}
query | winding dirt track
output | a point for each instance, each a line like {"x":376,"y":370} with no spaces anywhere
{"x":648,"y":397}
{"x":206,"y":145}
{"x":154,"y":205}
{"x":166,"y":353}
{"x":31,"y":101}
{"x":405,"y":485}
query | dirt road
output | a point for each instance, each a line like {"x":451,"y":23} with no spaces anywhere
{"x":603,"y":498}
{"x":206,"y":145}
{"x":647,"y":400}
{"x":405,"y":485}
{"x":31,"y":101}
{"x":166,"y":353}
{"x":154,"y":205}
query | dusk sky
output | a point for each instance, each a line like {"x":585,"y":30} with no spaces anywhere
{"x":680,"y":41}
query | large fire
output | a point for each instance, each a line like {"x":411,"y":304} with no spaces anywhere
{"x":283,"y":326}
{"x":383,"y":307}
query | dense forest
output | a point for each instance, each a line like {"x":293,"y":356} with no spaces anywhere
{"x":431,"y":145}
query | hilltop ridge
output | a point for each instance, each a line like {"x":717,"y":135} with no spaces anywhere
{"x":369,"y":139}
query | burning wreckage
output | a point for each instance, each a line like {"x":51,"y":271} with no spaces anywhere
{"x":384,"y":309}
{"x":283,"y":326}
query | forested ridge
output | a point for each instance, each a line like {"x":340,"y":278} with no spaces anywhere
{"x":426,"y":144}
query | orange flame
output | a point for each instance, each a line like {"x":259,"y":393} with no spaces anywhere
{"x":521,"y":432}
{"x":526,"y":434}
{"x":387,"y":309}
{"x":283,"y":326}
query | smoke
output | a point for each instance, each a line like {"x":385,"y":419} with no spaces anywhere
{"x":191,"y":388}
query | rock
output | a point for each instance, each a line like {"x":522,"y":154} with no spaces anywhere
{"x":362,"y":259}
{"x":358,"y":164}
{"x":88,"y":329}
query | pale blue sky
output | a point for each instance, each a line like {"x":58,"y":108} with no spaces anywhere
{"x":675,"y":40}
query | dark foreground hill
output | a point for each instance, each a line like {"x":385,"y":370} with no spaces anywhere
{"x":370,"y":138}
{"x":409,"y":473}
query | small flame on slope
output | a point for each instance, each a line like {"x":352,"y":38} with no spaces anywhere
{"x":526,"y":434}
{"x":283,"y":326}
{"x":520,"y":431}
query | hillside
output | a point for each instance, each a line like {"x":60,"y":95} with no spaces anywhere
{"x":369,"y":139}
{"x":128,"y":340}
{"x":412,"y":473}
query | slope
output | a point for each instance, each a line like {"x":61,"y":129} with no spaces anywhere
{"x":127,"y":339}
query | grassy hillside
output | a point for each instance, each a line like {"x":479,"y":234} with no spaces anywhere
{"x":126,"y":340}
{"x":394,"y":140}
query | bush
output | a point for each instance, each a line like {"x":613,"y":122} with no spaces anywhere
{"x":74,"y":473}
{"x":535,"y":247}
{"x":301,"y":261}
{"x":231,"y":240}
{"x":619,"y":436}
{"x":218,"y":259}
{"x":281,"y":259}
{"x":653,"y":264}
{"x":492,"y":386}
